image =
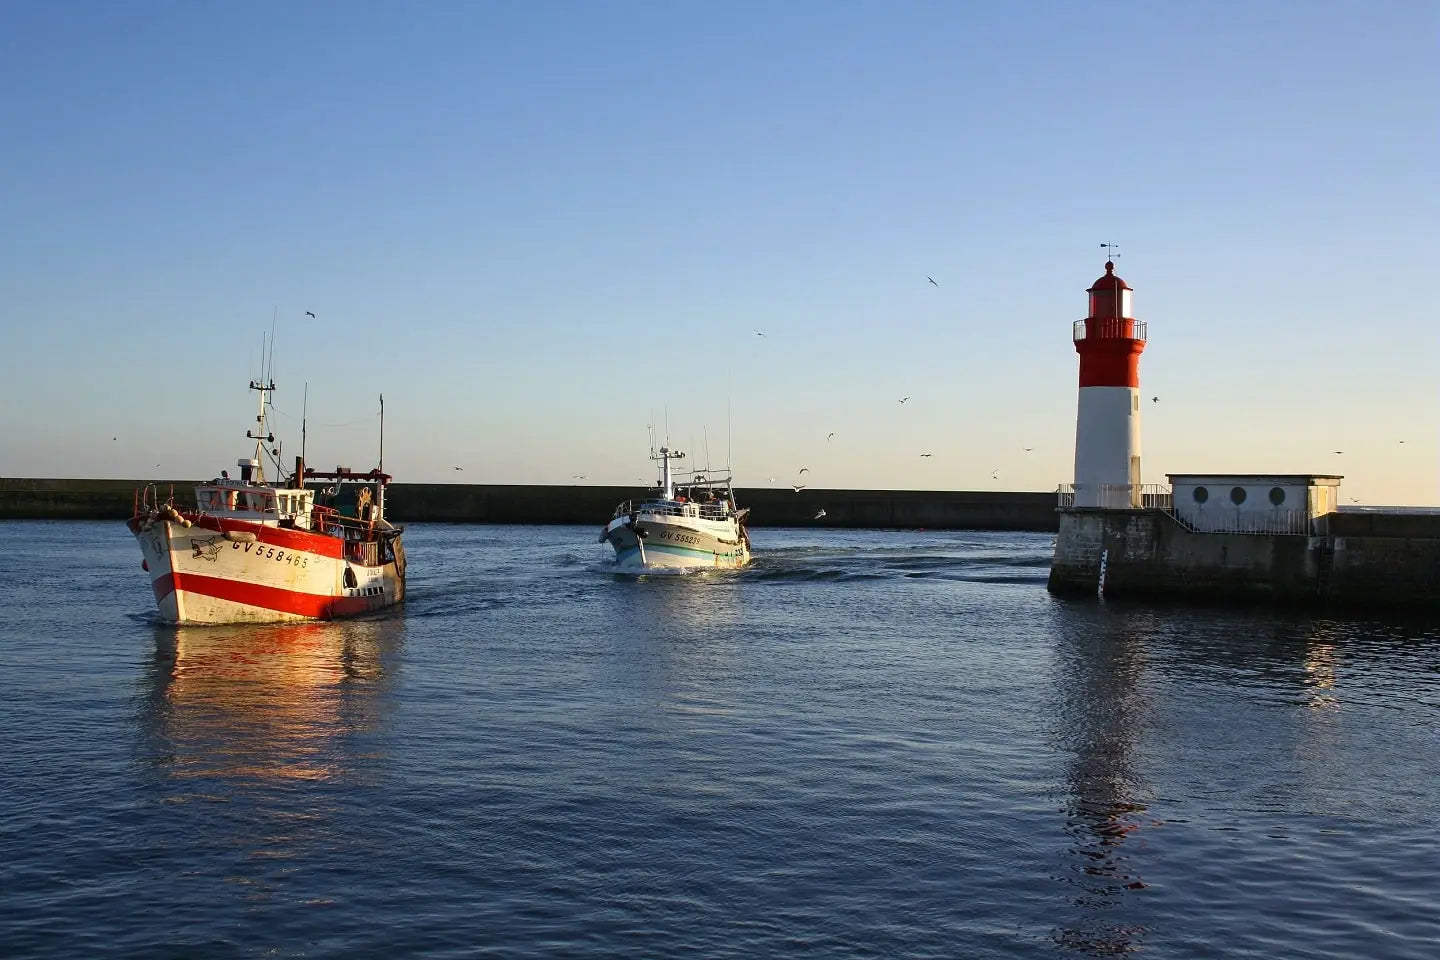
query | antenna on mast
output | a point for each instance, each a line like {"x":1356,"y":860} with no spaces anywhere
{"x":270,"y":360}
{"x":1112,"y":250}
{"x":304,"y":418}
{"x":382,"y":433}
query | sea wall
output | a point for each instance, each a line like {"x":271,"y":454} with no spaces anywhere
{"x":1146,"y":553}
{"x":43,"y":499}
{"x":485,"y":503}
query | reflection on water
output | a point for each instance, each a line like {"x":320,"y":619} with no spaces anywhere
{"x":1246,"y":717}
{"x":1102,"y":713}
{"x":254,"y":736}
{"x":273,"y":702}
{"x":677,"y":646}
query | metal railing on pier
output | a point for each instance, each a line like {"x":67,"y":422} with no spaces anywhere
{"x":1219,"y":519}
{"x":1115,"y":496}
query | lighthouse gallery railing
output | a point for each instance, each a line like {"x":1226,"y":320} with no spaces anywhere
{"x":1111,"y":328}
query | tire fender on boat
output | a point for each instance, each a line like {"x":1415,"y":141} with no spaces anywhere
{"x":240,"y":536}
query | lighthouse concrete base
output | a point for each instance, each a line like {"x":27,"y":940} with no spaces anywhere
{"x":1148,"y":553}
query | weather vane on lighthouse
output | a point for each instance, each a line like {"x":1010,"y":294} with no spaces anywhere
{"x":1112,"y":250}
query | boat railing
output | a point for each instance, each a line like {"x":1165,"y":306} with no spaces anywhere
{"x":717,"y":510}
{"x":364,"y":552}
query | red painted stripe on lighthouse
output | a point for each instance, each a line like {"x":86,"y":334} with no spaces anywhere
{"x":253,"y":594}
{"x":298,"y":540}
{"x":1109,"y":363}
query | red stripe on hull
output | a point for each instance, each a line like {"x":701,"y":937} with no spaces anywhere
{"x":298,"y":540}
{"x":269,"y":598}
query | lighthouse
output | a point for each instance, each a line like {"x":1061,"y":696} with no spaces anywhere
{"x":1107,"y":426}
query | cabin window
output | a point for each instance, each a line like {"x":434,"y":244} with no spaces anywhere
{"x":1277,"y":495}
{"x":1237,"y":495}
{"x":1201,"y":494}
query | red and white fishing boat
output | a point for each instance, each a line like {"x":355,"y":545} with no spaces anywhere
{"x":314,"y":547}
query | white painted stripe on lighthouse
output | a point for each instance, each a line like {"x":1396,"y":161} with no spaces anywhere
{"x":1107,"y":437}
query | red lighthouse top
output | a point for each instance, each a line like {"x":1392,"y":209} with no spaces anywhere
{"x":1109,"y":281}
{"x":1109,"y":340}
{"x":1109,"y":296}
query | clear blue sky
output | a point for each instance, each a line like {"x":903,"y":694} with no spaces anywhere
{"x":537,"y":227}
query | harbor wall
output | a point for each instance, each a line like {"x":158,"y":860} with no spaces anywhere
{"x":1378,"y":560}
{"x":78,"y":499}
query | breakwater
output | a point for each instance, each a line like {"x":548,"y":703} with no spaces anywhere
{"x":1371,"y":559}
{"x":81,"y":499}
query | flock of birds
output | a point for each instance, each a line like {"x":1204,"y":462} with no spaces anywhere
{"x":994,"y":474}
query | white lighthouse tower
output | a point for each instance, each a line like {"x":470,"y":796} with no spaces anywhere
{"x":1107,"y":427}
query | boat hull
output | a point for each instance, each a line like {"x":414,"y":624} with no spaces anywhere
{"x":208,"y":570}
{"x":661,"y":543}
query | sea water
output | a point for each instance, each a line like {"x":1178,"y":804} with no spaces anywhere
{"x":867,"y":744}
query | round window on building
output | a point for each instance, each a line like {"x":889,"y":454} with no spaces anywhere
{"x":1277,"y":495}
{"x":1237,"y":495}
{"x":1201,"y":494}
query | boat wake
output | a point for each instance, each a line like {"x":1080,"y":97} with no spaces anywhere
{"x":988,"y":564}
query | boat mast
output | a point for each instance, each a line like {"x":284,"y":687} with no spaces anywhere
{"x":380,"y":484}
{"x":262,"y":435}
{"x":304,"y":422}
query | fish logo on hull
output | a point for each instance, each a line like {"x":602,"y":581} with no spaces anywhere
{"x":205,"y":548}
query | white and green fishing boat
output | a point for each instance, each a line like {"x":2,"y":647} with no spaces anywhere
{"x":691,"y":522}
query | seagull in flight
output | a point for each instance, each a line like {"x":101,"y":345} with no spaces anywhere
{"x":995,"y":474}
{"x":828,"y":436}
{"x":1340,"y":451}
{"x":819,"y":513}
{"x":903,"y":399}
{"x":803,"y":470}
{"x":577,"y":476}
{"x":309,"y":314}
{"x":1028,"y":449}
{"x":932,"y":280}
{"x":1154,"y":399}
{"x":459,"y":468}
{"x":759,"y":334}
{"x":926,"y":454}
{"x":797,"y":487}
